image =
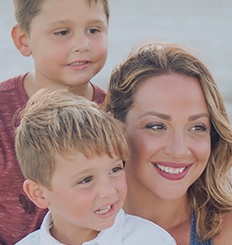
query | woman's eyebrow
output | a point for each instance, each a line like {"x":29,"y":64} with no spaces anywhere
{"x":197,"y":116}
{"x":157,"y":114}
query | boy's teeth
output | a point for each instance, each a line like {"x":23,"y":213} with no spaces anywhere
{"x":170,"y":170}
{"x":103,"y":210}
{"x":78,"y":63}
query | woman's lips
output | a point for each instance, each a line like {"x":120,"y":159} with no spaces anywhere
{"x":172,"y":171}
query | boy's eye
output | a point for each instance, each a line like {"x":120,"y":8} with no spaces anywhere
{"x":93,"y":30}
{"x":116,"y":169}
{"x":86,"y":180}
{"x":62,"y":33}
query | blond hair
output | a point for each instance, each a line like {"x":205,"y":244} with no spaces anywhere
{"x":211,"y":194}
{"x":58,"y":121}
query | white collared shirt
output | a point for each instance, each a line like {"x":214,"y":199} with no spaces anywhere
{"x":126,"y":230}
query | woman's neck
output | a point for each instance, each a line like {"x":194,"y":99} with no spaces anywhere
{"x":164,"y":212}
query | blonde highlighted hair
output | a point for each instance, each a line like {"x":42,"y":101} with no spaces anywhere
{"x":211,"y":194}
{"x":58,"y":121}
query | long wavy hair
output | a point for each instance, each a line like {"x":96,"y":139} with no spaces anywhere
{"x":211,"y":194}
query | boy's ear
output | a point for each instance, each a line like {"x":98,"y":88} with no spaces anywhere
{"x":35,"y":192}
{"x":20,"y":39}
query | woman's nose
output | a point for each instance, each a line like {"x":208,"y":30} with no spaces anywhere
{"x":177,"y":145}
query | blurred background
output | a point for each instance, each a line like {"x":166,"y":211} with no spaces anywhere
{"x":204,"y":25}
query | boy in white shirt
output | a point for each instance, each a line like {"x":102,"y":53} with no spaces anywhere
{"x":72,"y":155}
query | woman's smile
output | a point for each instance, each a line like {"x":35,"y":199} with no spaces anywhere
{"x":171,"y":172}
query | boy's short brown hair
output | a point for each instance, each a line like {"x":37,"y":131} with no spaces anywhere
{"x":26,"y":10}
{"x":58,"y":121}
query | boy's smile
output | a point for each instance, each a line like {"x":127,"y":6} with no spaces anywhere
{"x":86,"y":193}
{"x":73,"y":42}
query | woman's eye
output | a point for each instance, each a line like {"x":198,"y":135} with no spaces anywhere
{"x":155,"y":126}
{"x":62,"y":33}
{"x":86,"y":180}
{"x":199,"y":128}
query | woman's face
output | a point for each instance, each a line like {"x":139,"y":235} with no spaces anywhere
{"x":169,"y":135}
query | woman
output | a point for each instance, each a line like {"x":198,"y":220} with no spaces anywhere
{"x":179,"y":172}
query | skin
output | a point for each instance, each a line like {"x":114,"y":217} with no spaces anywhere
{"x":68,"y":45}
{"x":169,"y":133}
{"x":85,"y":196}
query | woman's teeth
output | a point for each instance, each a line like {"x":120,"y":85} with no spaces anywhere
{"x":170,"y":170}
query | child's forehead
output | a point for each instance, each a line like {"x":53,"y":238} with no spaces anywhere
{"x":73,"y":154}
{"x":73,"y":163}
{"x":72,"y":10}
{"x":77,"y":5}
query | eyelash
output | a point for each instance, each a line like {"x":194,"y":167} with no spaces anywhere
{"x":200,"y":127}
{"x":93,"y":30}
{"x":61,"y":33}
{"x":66,"y":32}
{"x":156,"y":127}
{"x":159,"y":127}
{"x":88,"y":179}
{"x":116,"y":169}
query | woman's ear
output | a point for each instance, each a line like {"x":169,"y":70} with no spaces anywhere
{"x":21,"y":40}
{"x":35,"y":193}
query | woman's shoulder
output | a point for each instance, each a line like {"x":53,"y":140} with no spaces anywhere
{"x":138,"y":227}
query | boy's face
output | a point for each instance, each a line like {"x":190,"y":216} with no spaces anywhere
{"x":86,"y":193}
{"x":68,"y":41}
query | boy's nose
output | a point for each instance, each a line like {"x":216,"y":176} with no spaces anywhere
{"x":106,"y":189}
{"x":81,"y":43}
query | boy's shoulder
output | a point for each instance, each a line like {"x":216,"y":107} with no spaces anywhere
{"x":129,"y":229}
{"x":12,"y":91}
{"x":99,"y":94}
{"x":126,"y":230}
{"x":11,"y":83}
{"x":32,"y":238}
{"x":136,"y":227}
{"x":41,"y":236}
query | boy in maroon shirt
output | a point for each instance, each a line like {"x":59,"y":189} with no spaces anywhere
{"x":68,"y":41}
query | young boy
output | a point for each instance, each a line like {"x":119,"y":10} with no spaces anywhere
{"x":72,"y":155}
{"x":68,"y":43}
